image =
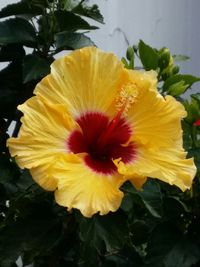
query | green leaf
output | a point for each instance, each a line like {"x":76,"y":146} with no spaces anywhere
{"x":90,"y":12}
{"x":177,"y":88}
{"x":25,"y":181}
{"x":9,"y":175}
{"x":34,"y":68}
{"x":161,"y":240}
{"x":168,"y":248}
{"x":125,"y":62}
{"x":188,"y":80}
{"x":148,"y":56}
{"x":150,"y":196}
{"x":9,"y":171}
{"x":110,"y":229}
{"x":21,"y":8}
{"x":10,"y":89}
{"x":11,"y":52}
{"x":187,"y":139}
{"x":17,"y":30}
{"x":193,"y":110}
{"x":194,"y":152}
{"x":185,"y":253}
{"x":174,"y":207}
{"x":68,"y":21}
{"x":196,"y":97}
{"x":128,"y":257}
{"x":180,"y":58}
{"x":72,"y":40}
{"x":3,"y":139}
{"x":139,"y":231}
{"x":23,"y":235}
{"x":39,"y":3}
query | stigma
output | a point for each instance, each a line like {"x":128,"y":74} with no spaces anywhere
{"x":126,"y":98}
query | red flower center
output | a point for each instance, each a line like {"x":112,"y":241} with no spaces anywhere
{"x":103,"y":141}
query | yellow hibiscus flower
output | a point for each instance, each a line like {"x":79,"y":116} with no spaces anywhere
{"x":92,"y":125}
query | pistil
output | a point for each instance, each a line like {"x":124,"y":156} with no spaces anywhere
{"x":105,"y":137}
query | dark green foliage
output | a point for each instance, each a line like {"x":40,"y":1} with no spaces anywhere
{"x":68,"y":21}
{"x":34,"y":68}
{"x":18,"y":31}
{"x":72,"y":40}
{"x":197,"y":97}
{"x":168,"y":247}
{"x":11,"y":89}
{"x":23,"y":7}
{"x":150,"y":197}
{"x":11,"y":52}
{"x":156,"y":227}
{"x":90,"y":12}
{"x":110,"y":232}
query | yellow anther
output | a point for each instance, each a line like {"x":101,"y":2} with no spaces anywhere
{"x":127,"y":96}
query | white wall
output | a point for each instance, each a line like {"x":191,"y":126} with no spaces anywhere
{"x":171,"y":23}
{"x":6,"y":2}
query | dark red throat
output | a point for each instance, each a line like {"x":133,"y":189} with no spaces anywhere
{"x":102,"y":141}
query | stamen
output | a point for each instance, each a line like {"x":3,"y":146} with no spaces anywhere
{"x":127,"y":96}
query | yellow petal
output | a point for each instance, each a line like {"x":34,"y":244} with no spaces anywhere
{"x":43,"y":133}
{"x":137,"y":181}
{"x":42,"y":176}
{"x":87,"y":79}
{"x":145,"y":80}
{"x":156,"y":120}
{"x":167,"y":164}
{"x":81,"y":188}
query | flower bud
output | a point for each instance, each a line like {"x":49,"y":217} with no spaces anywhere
{"x":130,"y":53}
{"x":175,"y":69}
{"x":164,"y":58}
{"x":166,"y":73}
